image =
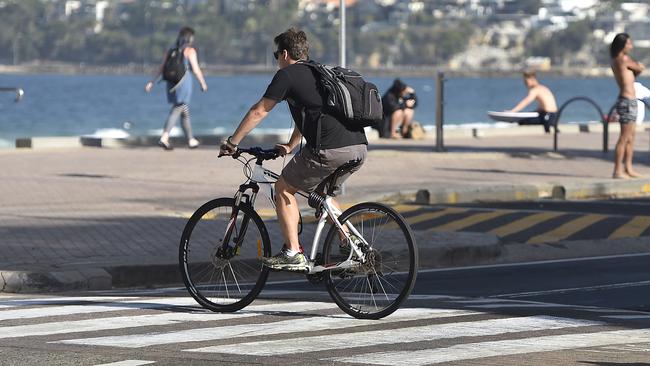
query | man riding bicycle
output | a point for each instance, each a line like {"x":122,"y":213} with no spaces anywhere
{"x":329,"y":142}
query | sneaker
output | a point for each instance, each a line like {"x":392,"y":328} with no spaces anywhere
{"x":193,"y":143}
{"x":282,"y":261}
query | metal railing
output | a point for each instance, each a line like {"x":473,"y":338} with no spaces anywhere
{"x":600,"y":114}
{"x":19,"y":92}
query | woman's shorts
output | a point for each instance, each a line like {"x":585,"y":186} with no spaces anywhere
{"x":308,"y":168}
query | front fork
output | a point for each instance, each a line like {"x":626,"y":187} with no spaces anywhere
{"x":226,"y":251}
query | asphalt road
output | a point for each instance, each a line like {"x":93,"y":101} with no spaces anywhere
{"x":587,"y":311}
{"x":581,"y":312}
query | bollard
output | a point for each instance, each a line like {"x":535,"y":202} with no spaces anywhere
{"x":440,"y":146}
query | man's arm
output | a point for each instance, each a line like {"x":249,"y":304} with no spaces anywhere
{"x":635,"y":67}
{"x":294,"y":140}
{"x":253,"y":117}
{"x":532,"y":94}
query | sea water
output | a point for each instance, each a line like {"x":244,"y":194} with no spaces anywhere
{"x":117,"y":105}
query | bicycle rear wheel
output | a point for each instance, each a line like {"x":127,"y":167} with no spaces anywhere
{"x":221,"y":277}
{"x":376,"y":288}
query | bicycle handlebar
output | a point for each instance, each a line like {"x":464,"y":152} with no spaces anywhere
{"x":257,"y":152}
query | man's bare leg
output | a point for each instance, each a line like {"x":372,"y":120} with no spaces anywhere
{"x":629,"y":152}
{"x":288,"y":212}
{"x":396,"y":119}
{"x":620,"y":152}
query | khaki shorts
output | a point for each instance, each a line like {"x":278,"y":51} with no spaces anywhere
{"x":307,"y":169}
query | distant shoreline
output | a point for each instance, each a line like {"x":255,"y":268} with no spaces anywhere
{"x":402,"y":71}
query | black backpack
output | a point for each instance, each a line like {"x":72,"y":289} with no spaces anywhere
{"x":174,"y":68}
{"x":356,"y":102}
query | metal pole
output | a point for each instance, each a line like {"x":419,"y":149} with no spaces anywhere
{"x":440,"y":147}
{"x":342,"y":33}
{"x":606,"y":131}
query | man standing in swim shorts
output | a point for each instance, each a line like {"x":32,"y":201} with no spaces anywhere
{"x":625,"y":72}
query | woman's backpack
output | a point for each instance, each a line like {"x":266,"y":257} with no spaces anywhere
{"x":174,"y":68}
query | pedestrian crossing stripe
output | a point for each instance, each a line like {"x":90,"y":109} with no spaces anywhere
{"x":122,"y":322}
{"x":128,"y":363}
{"x":30,"y":313}
{"x":350,"y":333}
{"x":10,"y":303}
{"x":265,"y":329}
{"x":471,"y":351}
{"x":397,"y":336}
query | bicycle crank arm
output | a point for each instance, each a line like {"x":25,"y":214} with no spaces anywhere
{"x":328,"y":267}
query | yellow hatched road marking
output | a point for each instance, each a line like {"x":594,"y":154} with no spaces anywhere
{"x":524,"y":223}
{"x":567,"y":229}
{"x":406,"y":208}
{"x":470,"y":220}
{"x":433,"y":215}
{"x":633,"y":228}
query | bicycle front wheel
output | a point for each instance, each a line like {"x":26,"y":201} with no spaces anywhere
{"x":377,"y":287}
{"x":224,"y":277}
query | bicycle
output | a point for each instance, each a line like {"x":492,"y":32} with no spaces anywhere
{"x":369,"y":278}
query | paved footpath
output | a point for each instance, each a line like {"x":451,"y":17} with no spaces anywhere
{"x":89,"y":218}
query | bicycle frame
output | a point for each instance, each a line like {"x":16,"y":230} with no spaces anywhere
{"x":262,"y":182}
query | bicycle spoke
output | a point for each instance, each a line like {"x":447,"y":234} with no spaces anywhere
{"x":385,"y":278}
{"x":223,"y":277}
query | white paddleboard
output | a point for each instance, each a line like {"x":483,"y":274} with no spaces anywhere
{"x":511,"y":116}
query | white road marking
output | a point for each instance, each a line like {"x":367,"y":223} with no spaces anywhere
{"x":534,"y":263}
{"x":264,"y":329}
{"x":520,"y":305}
{"x":395,"y":336}
{"x":60,"y":300}
{"x":471,"y":351}
{"x":128,"y":363}
{"x":47,"y":311}
{"x":91,"y":325}
{"x":627,"y":317}
{"x":574,"y":289}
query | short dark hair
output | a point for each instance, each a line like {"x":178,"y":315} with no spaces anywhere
{"x":529,"y":74}
{"x":618,"y":44}
{"x":295,"y":42}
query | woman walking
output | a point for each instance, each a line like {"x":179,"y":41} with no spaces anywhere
{"x":178,"y":64}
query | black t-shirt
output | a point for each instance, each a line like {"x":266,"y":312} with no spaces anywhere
{"x":298,"y":86}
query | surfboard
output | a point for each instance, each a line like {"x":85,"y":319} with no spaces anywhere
{"x":511,"y":116}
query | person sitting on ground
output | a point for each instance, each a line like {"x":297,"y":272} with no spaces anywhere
{"x":546,"y":105}
{"x":398,"y":104}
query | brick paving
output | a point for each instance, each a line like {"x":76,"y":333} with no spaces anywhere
{"x":94,"y":207}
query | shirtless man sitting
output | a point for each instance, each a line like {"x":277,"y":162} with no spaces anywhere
{"x":546,"y":105}
{"x":625,"y":72}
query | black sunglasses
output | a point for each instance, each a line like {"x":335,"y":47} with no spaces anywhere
{"x":277,"y":53}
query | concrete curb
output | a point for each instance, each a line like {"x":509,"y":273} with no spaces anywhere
{"x":612,"y":188}
{"x":439,"y":195}
{"x":48,"y":281}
